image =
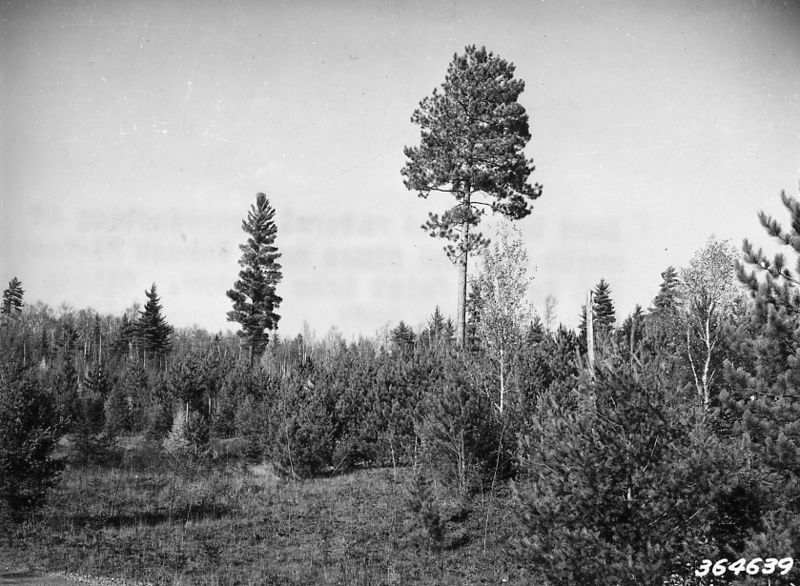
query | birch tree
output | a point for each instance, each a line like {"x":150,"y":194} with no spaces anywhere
{"x":710,"y":291}
{"x":502,"y":286}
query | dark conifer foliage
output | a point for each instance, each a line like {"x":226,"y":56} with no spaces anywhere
{"x":29,"y":430}
{"x":760,"y":400}
{"x":12,"y":298}
{"x":438,"y":333}
{"x":125,"y":338}
{"x":604,"y":313}
{"x":63,"y":383}
{"x":622,"y":478}
{"x":254,"y":299}
{"x":437,"y":323}
{"x":459,"y":432}
{"x":668,"y":293}
{"x":534,"y":334}
{"x":153,"y":333}
{"x":96,"y":388}
{"x":473,"y":134}
{"x":631,"y":331}
{"x":403,"y":338}
{"x":96,"y":380}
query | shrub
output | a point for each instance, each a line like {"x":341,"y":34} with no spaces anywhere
{"x":94,"y":449}
{"x":189,"y":436}
{"x":159,"y":412}
{"x":422,"y":502}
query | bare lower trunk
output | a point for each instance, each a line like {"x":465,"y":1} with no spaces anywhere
{"x":706,"y":366}
{"x":461,"y":317}
{"x":590,"y":331}
{"x":701,"y":388}
{"x":502,"y":379}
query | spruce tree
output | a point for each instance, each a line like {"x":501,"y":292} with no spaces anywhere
{"x":125,"y":338}
{"x":604,"y":313}
{"x":96,"y":388}
{"x":403,"y":338}
{"x":473,"y":133}
{"x":436,"y":326}
{"x":152,"y":330}
{"x":253,"y":295}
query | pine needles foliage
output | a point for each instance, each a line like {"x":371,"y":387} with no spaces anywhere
{"x":29,"y":429}
{"x":621,"y":482}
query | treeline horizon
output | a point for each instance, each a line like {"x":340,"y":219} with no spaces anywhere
{"x":686,"y":419}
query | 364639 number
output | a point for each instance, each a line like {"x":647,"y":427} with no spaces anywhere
{"x":752,"y":567}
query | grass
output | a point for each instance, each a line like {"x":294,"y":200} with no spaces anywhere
{"x":230,"y":525}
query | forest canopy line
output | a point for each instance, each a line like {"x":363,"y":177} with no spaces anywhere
{"x":678,"y":442}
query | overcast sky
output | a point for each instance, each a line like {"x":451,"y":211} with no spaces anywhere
{"x":136,"y":134}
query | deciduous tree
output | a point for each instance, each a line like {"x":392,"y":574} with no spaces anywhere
{"x":502,"y":286}
{"x":709,"y":292}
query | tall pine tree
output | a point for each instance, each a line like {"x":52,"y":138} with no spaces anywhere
{"x":253,"y":295}
{"x":473,"y":133}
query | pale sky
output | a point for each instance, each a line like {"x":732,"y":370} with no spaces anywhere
{"x":136,"y":134}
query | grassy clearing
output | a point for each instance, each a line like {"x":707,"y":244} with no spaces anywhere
{"x":232,"y":525}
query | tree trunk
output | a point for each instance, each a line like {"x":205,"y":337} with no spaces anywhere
{"x":463,"y":259}
{"x":461,"y":317}
{"x":502,"y":379}
{"x":590,"y":331}
{"x":706,"y":366}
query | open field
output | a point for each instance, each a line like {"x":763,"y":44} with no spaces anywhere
{"x":235,"y":525}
